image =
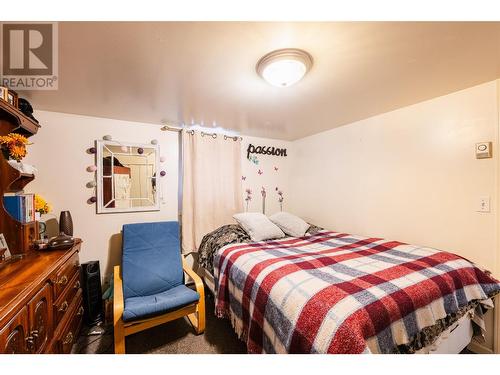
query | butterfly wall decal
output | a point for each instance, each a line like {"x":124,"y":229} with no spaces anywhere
{"x":254,"y":159}
{"x":260,"y":172}
{"x":243,"y":178}
{"x":276,"y":169}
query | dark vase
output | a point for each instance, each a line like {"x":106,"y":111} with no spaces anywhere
{"x":5,"y":153}
{"x":66,"y":223}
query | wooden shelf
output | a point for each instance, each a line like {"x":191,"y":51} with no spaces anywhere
{"x":19,"y":236}
{"x":12,"y":120}
{"x":19,"y":184}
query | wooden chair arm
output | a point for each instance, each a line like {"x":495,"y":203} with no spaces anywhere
{"x":198,"y":319}
{"x":118,"y":303}
{"x":197,"y":279}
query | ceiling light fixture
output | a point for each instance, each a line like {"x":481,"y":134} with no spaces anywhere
{"x":284,"y":67}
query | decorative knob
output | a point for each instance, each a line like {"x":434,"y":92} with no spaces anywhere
{"x":30,"y":341}
{"x":64,"y":306}
{"x":68,"y":339}
{"x":63,"y":280}
{"x":77,"y":284}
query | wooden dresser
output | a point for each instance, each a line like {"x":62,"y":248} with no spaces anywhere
{"x":41,"y":302}
{"x":40,"y":296}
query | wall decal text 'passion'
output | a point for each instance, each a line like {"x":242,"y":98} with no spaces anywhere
{"x":265,"y":150}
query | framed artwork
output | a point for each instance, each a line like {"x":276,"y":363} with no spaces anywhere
{"x":4,"y":248}
{"x":3,"y":93}
{"x":12,"y":98}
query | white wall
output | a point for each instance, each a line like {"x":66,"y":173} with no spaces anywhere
{"x":408,"y":175}
{"x":59,"y":153}
{"x":270,"y":178}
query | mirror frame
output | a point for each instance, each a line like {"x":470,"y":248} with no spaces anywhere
{"x":99,"y":186}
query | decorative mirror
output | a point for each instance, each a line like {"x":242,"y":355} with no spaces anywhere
{"x":126,"y":177}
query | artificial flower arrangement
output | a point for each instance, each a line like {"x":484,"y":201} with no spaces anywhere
{"x":280,"y":198}
{"x":41,"y":205}
{"x":15,"y":145}
{"x":263,"y":193}
{"x":248,"y":198}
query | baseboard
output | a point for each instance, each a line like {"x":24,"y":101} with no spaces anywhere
{"x":479,"y":348}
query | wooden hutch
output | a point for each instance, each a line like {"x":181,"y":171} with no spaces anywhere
{"x":40,"y":295}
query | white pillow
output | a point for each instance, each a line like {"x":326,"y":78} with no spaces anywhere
{"x":290,"y":224}
{"x":258,"y":226}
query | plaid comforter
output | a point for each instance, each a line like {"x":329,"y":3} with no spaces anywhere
{"x":338,"y":293}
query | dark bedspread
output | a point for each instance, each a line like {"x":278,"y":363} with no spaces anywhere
{"x":225,"y":235}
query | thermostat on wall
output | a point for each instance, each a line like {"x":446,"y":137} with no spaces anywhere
{"x":483,"y":150}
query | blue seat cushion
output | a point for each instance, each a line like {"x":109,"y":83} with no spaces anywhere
{"x":157,"y":304}
{"x":151,"y":262}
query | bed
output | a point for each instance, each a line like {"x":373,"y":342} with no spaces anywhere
{"x":330,"y":292}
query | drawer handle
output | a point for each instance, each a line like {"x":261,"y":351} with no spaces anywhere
{"x":77,"y":285}
{"x":64,"y":306}
{"x":63,"y":280}
{"x":80,"y":311}
{"x":30,"y":341}
{"x":68,"y":339}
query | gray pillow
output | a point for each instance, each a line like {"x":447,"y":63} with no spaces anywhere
{"x":290,"y":224}
{"x":258,"y":226}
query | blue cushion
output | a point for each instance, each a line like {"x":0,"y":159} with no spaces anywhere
{"x":151,"y":262}
{"x":172,"y":299}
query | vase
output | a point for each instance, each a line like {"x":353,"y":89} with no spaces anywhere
{"x":66,"y":223}
{"x":5,"y":153}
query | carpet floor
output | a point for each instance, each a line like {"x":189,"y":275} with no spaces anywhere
{"x":176,"y":337}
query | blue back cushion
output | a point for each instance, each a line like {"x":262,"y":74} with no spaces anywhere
{"x":151,"y":261}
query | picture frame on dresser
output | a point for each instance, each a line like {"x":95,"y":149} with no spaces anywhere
{"x":12,"y":98}
{"x":4,"y":248}
{"x":3,"y":93}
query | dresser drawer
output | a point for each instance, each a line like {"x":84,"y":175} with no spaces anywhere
{"x":61,"y":306}
{"x":69,"y":334}
{"x":65,"y":275}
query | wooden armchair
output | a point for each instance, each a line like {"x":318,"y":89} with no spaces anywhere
{"x":149,"y":288}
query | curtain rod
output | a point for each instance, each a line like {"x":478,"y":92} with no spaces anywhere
{"x":191,"y":131}
{"x":171,"y":128}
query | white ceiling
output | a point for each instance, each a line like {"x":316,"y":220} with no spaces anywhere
{"x":203,"y":72}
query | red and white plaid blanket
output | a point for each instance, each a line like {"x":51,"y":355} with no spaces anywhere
{"x":338,"y":293}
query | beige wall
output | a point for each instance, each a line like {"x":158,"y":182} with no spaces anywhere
{"x":409,"y":175}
